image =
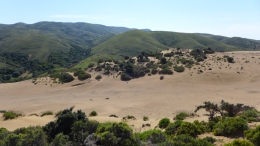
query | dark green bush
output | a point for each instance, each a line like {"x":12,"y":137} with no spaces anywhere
{"x":145,"y":118}
{"x":93,"y":113}
{"x":65,"y":77}
{"x":188,"y":129}
{"x":230,"y":59}
{"x":84,"y":76}
{"x":239,"y":142}
{"x":163,"y":60}
{"x":210,"y":139}
{"x":161,"y":77}
{"x":166,"y":71}
{"x":253,"y":135}
{"x":168,"y":54}
{"x":230,"y":126}
{"x":125,"y":77}
{"x":154,"y":71}
{"x":179,"y":69}
{"x":98,"y":77}
{"x":172,"y":128}
{"x":163,"y":123}
{"x":115,"y":134}
{"x":250,"y":115}
{"x":199,"y":59}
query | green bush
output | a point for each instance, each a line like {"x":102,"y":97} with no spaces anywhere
{"x":125,"y":77}
{"x":145,"y":118}
{"x":199,"y":59}
{"x":168,"y":54}
{"x":84,"y":76}
{"x":11,"y":115}
{"x":163,"y":60}
{"x":166,"y":71}
{"x":58,"y":113}
{"x":181,"y":116}
{"x":187,"y":140}
{"x":163,"y":123}
{"x":93,"y":113}
{"x":230,"y":59}
{"x":65,"y":77}
{"x":154,"y":71}
{"x":179,"y":69}
{"x":115,"y":134}
{"x":239,"y":142}
{"x":161,"y":77}
{"x":98,"y":77}
{"x":60,"y":139}
{"x":172,"y":128}
{"x":253,"y":135}
{"x":188,"y":129}
{"x":250,"y":115}
{"x":230,"y":126}
{"x":47,"y":113}
{"x":210,"y":139}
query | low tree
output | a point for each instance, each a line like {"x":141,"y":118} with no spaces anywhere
{"x":210,"y":107}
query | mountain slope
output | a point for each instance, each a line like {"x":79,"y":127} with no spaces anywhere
{"x":43,"y":38}
{"x":243,"y":43}
{"x":134,"y":42}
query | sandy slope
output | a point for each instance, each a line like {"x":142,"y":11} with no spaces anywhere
{"x":147,"y":96}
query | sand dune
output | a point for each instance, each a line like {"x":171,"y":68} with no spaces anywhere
{"x":237,"y":82}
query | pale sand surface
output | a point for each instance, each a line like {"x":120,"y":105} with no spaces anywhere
{"x":146,"y":96}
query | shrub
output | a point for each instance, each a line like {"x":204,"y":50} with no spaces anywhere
{"x":64,"y":122}
{"x":60,"y":139}
{"x":93,"y":113}
{"x":115,"y":134}
{"x":47,"y":113}
{"x":238,"y":142}
{"x":163,"y":123}
{"x":188,"y":129}
{"x":161,"y":77}
{"x":98,"y":77}
{"x":253,"y":135}
{"x":230,"y":126}
{"x":181,"y":116}
{"x":65,"y":78}
{"x":173,"y":127}
{"x":58,"y":113}
{"x":230,"y":59}
{"x":210,"y":139}
{"x":199,"y":59}
{"x":168,"y":54}
{"x":91,"y":65}
{"x":250,"y":115}
{"x":163,"y":60}
{"x":84,"y":76}
{"x":166,"y":71}
{"x":126,"y":57}
{"x":125,"y":77}
{"x":11,"y":115}
{"x":154,"y":71}
{"x":179,"y":69}
{"x":145,"y":118}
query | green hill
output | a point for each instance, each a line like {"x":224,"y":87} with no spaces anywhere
{"x":243,"y":43}
{"x":134,"y":42}
{"x":43,"y":38}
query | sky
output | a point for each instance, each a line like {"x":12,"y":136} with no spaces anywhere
{"x":232,"y":18}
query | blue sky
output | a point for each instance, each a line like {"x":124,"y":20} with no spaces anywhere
{"x":221,"y":17}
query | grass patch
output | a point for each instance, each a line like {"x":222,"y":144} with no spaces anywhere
{"x":145,"y":118}
{"x":47,"y":113}
{"x":11,"y":115}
